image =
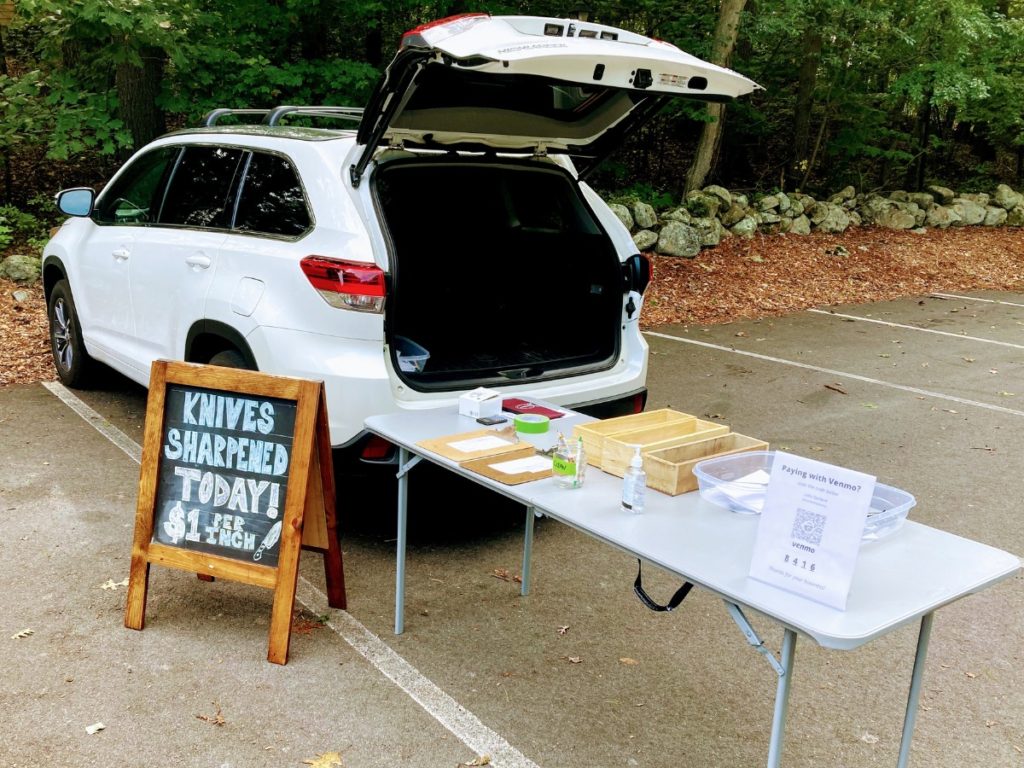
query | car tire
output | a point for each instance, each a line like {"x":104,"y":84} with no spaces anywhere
{"x":74,"y":366}
{"x":231,"y":358}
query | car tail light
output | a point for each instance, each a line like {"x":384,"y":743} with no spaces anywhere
{"x":346,"y":284}
{"x":377,"y":450}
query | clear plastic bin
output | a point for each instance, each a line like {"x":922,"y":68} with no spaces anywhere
{"x":738,"y":483}
{"x":411,"y":356}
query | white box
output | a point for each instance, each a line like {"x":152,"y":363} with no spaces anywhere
{"x":480,"y":402}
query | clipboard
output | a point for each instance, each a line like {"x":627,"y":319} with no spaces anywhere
{"x":458,"y":447}
{"x":491,"y":466}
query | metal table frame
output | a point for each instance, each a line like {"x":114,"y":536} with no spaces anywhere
{"x":794,"y":614}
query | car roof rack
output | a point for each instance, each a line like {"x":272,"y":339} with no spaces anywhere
{"x":273,"y":116}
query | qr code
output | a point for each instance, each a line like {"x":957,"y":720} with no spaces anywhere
{"x":808,"y":526}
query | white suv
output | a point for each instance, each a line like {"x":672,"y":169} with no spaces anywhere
{"x":448,"y":243}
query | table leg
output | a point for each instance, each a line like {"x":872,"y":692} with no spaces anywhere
{"x":403,"y":518}
{"x":915,"y":689}
{"x":782,"y":699}
{"x":531,"y":515}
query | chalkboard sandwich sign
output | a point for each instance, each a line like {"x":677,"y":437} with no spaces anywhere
{"x":236,"y":479}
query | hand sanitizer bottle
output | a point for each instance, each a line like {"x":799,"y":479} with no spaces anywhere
{"x":634,"y":485}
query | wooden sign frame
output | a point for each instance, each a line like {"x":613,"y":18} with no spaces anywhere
{"x":308,"y":516}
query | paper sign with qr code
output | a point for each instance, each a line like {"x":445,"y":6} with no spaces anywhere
{"x":810,"y":530}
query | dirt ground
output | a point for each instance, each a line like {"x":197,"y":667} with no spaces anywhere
{"x":764,"y":276}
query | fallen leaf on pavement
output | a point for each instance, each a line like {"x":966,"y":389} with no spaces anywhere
{"x":303,"y":625}
{"x":836,"y":388}
{"x":869,"y":738}
{"x":628,"y":661}
{"x":215,"y":719}
{"x":23,"y":634}
{"x":501,"y":573}
{"x":479,"y":760}
{"x":111,"y":584}
{"x":326,"y":760}
{"x":94,"y":728}
{"x":563,"y":630}
{"x":574,"y":659}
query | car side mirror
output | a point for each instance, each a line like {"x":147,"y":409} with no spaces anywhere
{"x":76,"y":202}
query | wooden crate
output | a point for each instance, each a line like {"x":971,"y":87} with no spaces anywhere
{"x":670,"y":470}
{"x":619,"y":449}
{"x":594,"y":433}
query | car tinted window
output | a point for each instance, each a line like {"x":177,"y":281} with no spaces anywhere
{"x":271,"y":199}
{"x":200,"y":188}
{"x":134,"y":196}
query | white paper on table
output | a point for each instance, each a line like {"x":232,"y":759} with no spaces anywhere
{"x":738,"y":490}
{"x":809,"y":533}
{"x":482,"y":443}
{"x":529,"y":464}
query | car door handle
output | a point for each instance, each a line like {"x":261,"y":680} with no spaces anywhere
{"x":121,"y":254}
{"x":198,"y":261}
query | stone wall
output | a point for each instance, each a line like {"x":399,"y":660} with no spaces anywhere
{"x":713,"y":213}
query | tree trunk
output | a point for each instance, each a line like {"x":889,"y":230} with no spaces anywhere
{"x":8,"y":181}
{"x":374,"y":44}
{"x":726,"y":31}
{"x":315,"y":29}
{"x":807,"y":83}
{"x":917,"y":171}
{"x":137,"y":91}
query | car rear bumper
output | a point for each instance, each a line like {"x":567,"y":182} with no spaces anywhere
{"x":360,"y":382}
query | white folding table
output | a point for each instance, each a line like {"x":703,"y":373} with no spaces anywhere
{"x":901,"y":579}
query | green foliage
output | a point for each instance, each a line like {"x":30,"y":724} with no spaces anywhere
{"x":893,"y":85}
{"x":20,"y":222}
{"x":644,"y":193}
{"x":20,"y":226}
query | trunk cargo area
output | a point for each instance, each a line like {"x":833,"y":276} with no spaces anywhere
{"x":500,"y":274}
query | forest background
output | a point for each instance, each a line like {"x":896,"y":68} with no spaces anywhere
{"x":880,"y":94}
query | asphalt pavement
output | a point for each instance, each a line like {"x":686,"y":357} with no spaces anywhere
{"x":926,"y":393}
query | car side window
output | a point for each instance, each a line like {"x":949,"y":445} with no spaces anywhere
{"x":271,"y":201}
{"x":135,"y":196}
{"x":199,"y":193}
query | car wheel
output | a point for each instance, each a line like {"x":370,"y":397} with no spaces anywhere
{"x":231,"y":358}
{"x":74,"y":366}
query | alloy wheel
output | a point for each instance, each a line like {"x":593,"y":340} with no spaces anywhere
{"x":62,"y":334}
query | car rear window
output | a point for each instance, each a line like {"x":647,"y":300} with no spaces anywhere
{"x":200,"y":188}
{"x":271,"y":201}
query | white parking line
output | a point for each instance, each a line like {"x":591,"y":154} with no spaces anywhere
{"x":466,"y":726}
{"x":917,"y":328}
{"x":841,"y":374}
{"x":975,"y":298}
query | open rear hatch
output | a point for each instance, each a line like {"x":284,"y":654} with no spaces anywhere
{"x":526,"y":84}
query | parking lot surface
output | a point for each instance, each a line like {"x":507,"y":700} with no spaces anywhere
{"x":926,"y":393}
